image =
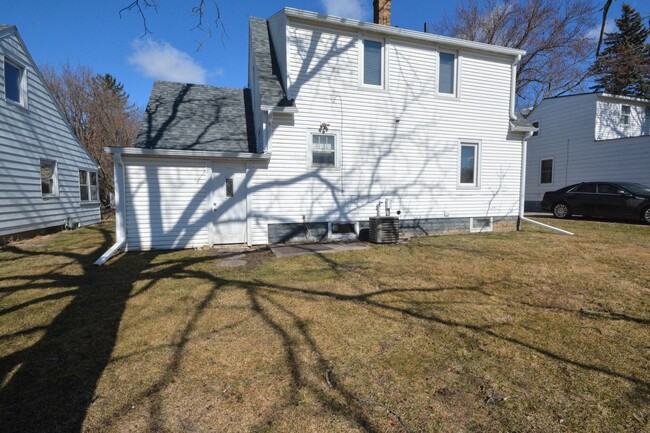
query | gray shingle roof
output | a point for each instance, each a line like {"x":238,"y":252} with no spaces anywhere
{"x":197,"y":117}
{"x":268,"y":74}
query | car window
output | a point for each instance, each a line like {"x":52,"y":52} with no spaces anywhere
{"x":608,"y":188}
{"x":585,"y":187}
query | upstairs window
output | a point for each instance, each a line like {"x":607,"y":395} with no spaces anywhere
{"x":323,"y":150}
{"x":88,"y":186}
{"x":626,"y":111}
{"x":373,"y":63}
{"x":468,"y":164}
{"x":447,"y":73}
{"x":546,"y":171}
{"x":14,"y":82}
{"x":49,"y":183}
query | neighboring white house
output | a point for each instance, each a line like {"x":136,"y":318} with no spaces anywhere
{"x":339,"y":115}
{"x":46,"y":174}
{"x":587,"y":137}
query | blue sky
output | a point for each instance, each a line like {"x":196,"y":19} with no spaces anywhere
{"x":92,"y":33}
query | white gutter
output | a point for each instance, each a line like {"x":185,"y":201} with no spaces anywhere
{"x":120,"y":227}
{"x":355,"y":25}
{"x":522,"y":188}
{"x":278,"y":109}
{"x":513,"y":87}
{"x":203,"y":154}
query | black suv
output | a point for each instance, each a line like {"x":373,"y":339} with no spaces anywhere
{"x":600,"y":199}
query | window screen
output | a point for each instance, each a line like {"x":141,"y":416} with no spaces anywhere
{"x":446,"y":75}
{"x":468,"y":164}
{"x":546,"y":171}
{"x":625,"y":114}
{"x":83,"y":185}
{"x":323,"y":150}
{"x":372,"y":62}
{"x":48,"y":178}
{"x":13,"y":77}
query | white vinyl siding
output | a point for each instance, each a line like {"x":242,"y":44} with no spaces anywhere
{"x":413,"y":161}
{"x":26,"y":138}
{"x":166,"y":203}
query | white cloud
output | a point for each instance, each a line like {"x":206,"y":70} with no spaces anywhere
{"x":594,"y":32}
{"x":161,"y":61}
{"x":353,"y":9}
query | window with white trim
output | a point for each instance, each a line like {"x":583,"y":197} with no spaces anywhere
{"x":373,"y":63}
{"x":15,"y":83}
{"x":88,"y":186}
{"x":49,"y":181}
{"x":447,"y":72}
{"x":626,"y":112}
{"x":323,"y":149}
{"x":481,"y":224}
{"x":546,"y":171}
{"x":468,"y":164}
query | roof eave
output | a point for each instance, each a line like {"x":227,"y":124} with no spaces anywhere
{"x":207,"y":154}
{"x":394,"y":31}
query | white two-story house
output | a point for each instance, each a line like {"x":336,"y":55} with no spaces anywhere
{"x":47,"y":178}
{"x":587,"y":137}
{"x":338,"y":116}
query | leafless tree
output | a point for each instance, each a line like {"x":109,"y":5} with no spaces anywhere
{"x":207,"y":14}
{"x":98,"y":111}
{"x":554,"y":34}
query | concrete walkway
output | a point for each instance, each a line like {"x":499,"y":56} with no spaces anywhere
{"x":300,"y":249}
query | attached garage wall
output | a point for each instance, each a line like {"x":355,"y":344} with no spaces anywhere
{"x":166,"y":203}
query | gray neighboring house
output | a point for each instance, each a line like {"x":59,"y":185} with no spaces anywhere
{"x":47,"y":178}
{"x":587,"y":137}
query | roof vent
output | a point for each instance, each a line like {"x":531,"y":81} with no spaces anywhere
{"x":384,"y":230}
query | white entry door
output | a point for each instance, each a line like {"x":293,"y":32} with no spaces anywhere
{"x":228,"y":203}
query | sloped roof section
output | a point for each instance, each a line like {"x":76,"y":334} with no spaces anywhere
{"x":266,"y":65}
{"x":197,"y":117}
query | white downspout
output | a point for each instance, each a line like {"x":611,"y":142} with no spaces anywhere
{"x":120,"y":227}
{"x":522,"y":195}
{"x":513,"y":87}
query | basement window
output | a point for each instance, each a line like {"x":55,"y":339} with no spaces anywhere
{"x":480,"y":225}
{"x":343,"y":230}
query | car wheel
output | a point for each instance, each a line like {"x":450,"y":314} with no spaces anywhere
{"x":561,"y":210}
{"x":645,"y":216}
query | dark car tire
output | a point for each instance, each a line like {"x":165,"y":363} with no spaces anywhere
{"x":645,"y":215}
{"x":561,"y":210}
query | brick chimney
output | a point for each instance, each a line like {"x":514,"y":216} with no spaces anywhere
{"x":381,"y":9}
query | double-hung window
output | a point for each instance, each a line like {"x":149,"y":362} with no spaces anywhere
{"x":49,"y":181}
{"x":373,"y":63}
{"x":468,"y":164}
{"x":14,"y":82}
{"x":88,"y":186}
{"x":447,"y":73}
{"x":626,"y":112}
{"x":323,"y":149}
{"x":546,"y":171}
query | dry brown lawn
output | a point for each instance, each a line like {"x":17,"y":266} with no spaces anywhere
{"x":527,"y":331}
